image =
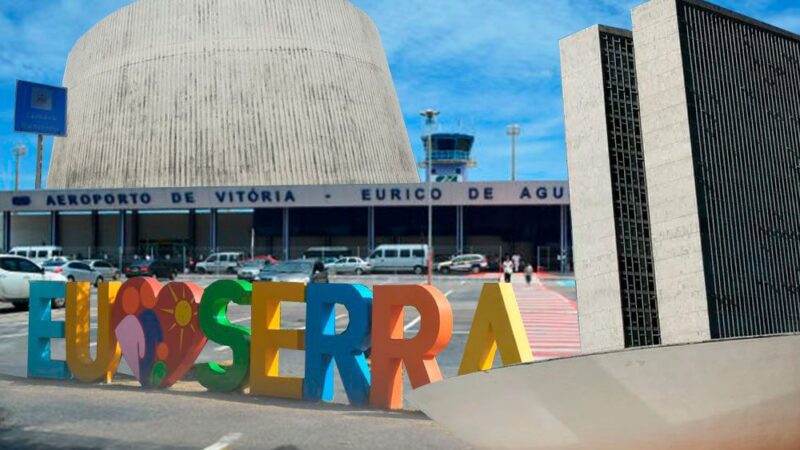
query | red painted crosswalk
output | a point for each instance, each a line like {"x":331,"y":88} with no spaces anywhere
{"x":551,"y":320}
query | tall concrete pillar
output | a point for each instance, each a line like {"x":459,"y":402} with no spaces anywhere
{"x":564,"y":239}
{"x":54,"y":228}
{"x":371,"y":229}
{"x":213,"y":222}
{"x":6,"y":231}
{"x":460,"y":229}
{"x":95,"y":242}
{"x":122,"y":236}
{"x":287,"y":250}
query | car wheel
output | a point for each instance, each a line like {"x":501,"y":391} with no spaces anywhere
{"x":98,"y":281}
{"x":231,"y":270}
{"x":445,"y":270}
{"x":70,"y":279}
{"x":418,"y":270}
{"x":476,"y":269}
{"x":58,"y":303}
{"x":20,"y":306}
{"x":359,"y":272}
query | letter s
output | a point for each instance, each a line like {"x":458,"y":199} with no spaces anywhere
{"x":215,"y":324}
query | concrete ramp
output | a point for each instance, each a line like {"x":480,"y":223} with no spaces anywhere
{"x":733,"y":395}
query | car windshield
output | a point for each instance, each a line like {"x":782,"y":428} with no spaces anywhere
{"x":292,"y":267}
{"x":251,"y":264}
{"x":142,"y":263}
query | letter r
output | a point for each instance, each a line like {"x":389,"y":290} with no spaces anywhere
{"x":390,"y":349}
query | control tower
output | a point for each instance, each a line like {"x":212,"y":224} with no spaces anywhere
{"x":450,"y":155}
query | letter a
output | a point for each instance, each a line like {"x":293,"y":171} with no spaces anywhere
{"x":497,"y":324}
{"x":77,"y":333}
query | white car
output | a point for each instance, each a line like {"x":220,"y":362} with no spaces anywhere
{"x":16,"y":274}
{"x":351,"y":264}
{"x":226,"y":262}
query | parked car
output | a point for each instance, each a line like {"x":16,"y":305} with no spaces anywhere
{"x":464,"y":263}
{"x":153,"y":268}
{"x":350,"y":264}
{"x":38,"y":254}
{"x":408,"y":257}
{"x":226,"y":262}
{"x":300,"y":271}
{"x":106,"y":269}
{"x":51,"y":265}
{"x":79,"y":271}
{"x":16,"y":274}
{"x":323,"y":253}
{"x":250,"y":269}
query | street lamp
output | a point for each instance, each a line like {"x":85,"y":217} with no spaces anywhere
{"x":514,"y":131}
{"x":19,"y":152}
{"x":430,"y":123}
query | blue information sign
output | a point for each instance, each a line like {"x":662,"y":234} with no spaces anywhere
{"x":40,"y":109}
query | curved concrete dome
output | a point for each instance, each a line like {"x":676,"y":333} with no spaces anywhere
{"x":231,"y":92}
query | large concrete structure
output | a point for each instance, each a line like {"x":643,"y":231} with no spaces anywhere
{"x":613,"y":257}
{"x":221,"y":93}
{"x":716,"y":123}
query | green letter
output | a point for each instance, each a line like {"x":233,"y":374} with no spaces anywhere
{"x":215,"y":324}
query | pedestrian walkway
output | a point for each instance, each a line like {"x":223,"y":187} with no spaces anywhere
{"x":551,"y":320}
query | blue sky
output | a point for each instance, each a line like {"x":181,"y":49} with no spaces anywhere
{"x":483,"y":63}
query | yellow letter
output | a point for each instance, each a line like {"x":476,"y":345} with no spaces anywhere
{"x":268,"y":339}
{"x":497,"y":323}
{"x":77,"y":333}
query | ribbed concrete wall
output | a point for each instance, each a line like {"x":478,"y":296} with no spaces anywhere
{"x":231,"y":92}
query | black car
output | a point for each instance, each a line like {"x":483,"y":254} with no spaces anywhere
{"x":153,"y":268}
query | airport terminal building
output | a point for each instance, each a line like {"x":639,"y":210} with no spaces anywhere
{"x":529,"y":218}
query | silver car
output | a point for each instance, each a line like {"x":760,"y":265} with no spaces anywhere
{"x":351,"y":264}
{"x":303,"y":271}
{"x":107,"y":270}
{"x":250,"y":270}
{"x":79,"y":271}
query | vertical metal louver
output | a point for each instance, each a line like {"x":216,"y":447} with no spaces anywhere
{"x":632,"y":222}
{"x":743,"y":89}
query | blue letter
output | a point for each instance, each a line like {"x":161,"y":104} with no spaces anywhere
{"x":323,"y":345}
{"x":41,"y":329}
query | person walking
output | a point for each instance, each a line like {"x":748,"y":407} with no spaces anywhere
{"x":516,"y":260}
{"x":508,"y":269}
{"x":528,"y":273}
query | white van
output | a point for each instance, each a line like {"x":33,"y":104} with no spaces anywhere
{"x":38,"y":254}
{"x":399,"y":258}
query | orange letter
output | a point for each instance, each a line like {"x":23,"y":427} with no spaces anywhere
{"x":390,"y":349}
{"x":77,"y":335}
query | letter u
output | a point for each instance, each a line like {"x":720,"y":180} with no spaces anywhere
{"x":79,"y":359}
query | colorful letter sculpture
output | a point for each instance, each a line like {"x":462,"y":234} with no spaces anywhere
{"x":268,"y":339}
{"x":108,"y":351}
{"x":390,"y":349}
{"x":41,"y":329}
{"x":213,"y":308}
{"x":497,"y":325}
{"x":157,"y":329}
{"x":323,"y":345}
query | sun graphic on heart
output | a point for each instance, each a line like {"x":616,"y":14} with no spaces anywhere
{"x":182,"y":314}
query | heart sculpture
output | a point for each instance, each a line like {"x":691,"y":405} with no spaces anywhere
{"x":158,"y":330}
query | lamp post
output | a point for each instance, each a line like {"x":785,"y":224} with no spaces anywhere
{"x":19,"y":152}
{"x":430,"y":123}
{"x":514,"y":131}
